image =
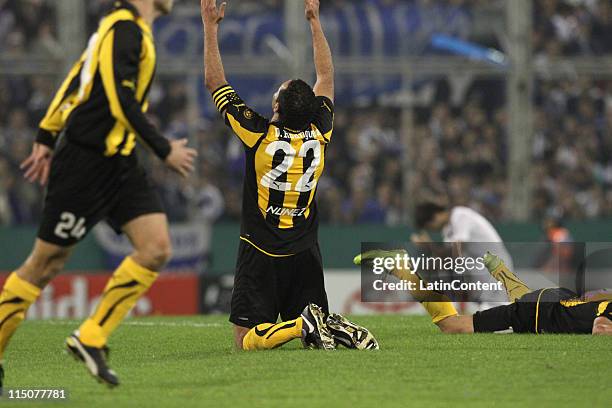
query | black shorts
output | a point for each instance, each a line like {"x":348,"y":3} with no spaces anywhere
{"x":85,"y":188}
{"x":266,"y":287}
{"x":521,"y":315}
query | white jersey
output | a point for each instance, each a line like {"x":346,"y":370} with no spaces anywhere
{"x":476,"y":234}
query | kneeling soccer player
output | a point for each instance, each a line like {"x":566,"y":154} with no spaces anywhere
{"x":551,"y":310}
{"x":279,"y":269}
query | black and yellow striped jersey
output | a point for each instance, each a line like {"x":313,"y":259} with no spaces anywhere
{"x":283,"y":167}
{"x":101,"y":105}
{"x":570,"y":316}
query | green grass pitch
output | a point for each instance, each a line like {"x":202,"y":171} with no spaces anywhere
{"x":190,"y":362}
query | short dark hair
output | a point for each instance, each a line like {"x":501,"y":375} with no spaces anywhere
{"x":297,"y":105}
{"x":424,"y":213}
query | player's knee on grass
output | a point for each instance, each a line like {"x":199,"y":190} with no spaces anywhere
{"x":239,"y":333}
{"x":44,"y":263}
{"x":154,"y":254}
{"x":602,"y":326}
{"x":456,"y":325}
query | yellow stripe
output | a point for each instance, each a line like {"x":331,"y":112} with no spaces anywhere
{"x":223,"y":94}
{"x":602,"y":308}
{"x":263,"y":165}
{"x":317,"y":175}
{"x":262,"y":251}
{"x":220,"y":108}
{"x":328,"y":135}
{"x":572,"y":302}
{"x":223,"y":101}
{"x":129,"y":146}
{"x":53,"y":120}
{"x":114,"y":139}
{"x":220,"y":90}
{"x":105,"y":27}
{"x":128,"y":84}
{"x":146,"y":70}
{"x":108,"y":79}
{"x":249,"y":138}
{"x":145,"y":27}
{"x":295,"y":173}
{"x":538,"y":309}
{"x":327,"y":106}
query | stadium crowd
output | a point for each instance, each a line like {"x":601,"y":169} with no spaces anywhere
{"x":561,"y":27}
{"x":458,"y":149}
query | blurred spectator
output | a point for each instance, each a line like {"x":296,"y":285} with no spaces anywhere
{"x":458,"y":148}
{"x":576,"y":27}
{"x":24,"y":24}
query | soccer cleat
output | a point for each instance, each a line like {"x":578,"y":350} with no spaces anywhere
{"x":314,"y":331}
{"x":349,"y":334}
{"x":377,"y":253}
{"x":94,"y":359}
{"x":1,"y":380}
{"x":492,"y":261}
{"x":515,"y":288}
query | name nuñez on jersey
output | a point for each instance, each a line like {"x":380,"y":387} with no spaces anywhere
{"x":280,"y":211}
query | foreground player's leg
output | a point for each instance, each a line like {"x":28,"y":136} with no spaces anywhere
{"x":131,"y":280}
{"x":515,"y":288}
{"x":267,"y":336}
{"x":310,"y":327}
{"x":23,"y":287}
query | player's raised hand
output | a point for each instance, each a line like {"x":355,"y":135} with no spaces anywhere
{"x":181,"y":157}
{"x":211,"y":14}
{"x":38,"y":165}
{"x":312,"y":9}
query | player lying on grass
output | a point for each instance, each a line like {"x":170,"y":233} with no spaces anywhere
{"x":279,"y":269}
{"x":550,"y":310}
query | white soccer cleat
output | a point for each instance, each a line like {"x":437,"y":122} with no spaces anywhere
{"x":315,"y":333}
{"x":349,"y":334}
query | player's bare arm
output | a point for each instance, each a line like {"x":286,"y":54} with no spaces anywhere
{"x":323,"y":60}
{"x":214,"y":74}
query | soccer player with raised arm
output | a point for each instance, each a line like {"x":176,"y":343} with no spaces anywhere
{"x":94,"y":175}
{"x":279,"y":269}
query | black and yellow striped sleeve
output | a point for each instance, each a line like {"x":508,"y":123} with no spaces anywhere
{"x":605,"y":309}
{"x":247,"y":124}
{"x":119,"y":67}
{"x":324,"y":118}
{"x":54,"y":122}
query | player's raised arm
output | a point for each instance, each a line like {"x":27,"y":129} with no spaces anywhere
{"x":214,"y":74}
{"x":323,"y":61}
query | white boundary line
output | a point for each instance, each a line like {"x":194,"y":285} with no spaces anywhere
{"x":129,"y":323}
